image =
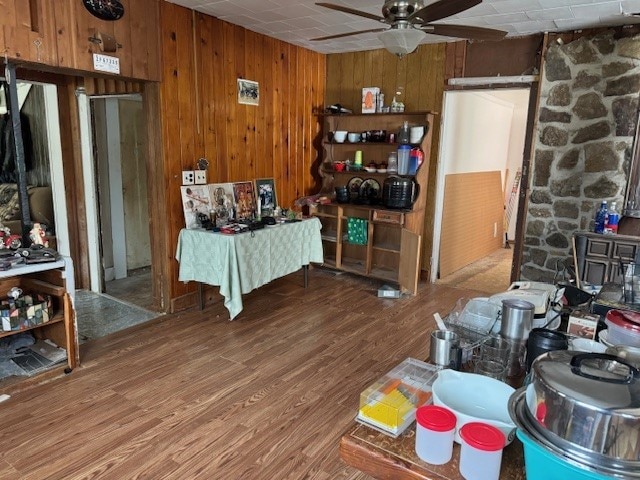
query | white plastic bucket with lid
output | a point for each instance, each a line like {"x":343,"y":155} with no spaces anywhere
{"x":435,"y":429}
{"x":481,"y":451}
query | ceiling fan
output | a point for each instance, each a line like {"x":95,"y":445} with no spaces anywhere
{"x":411,"y":20}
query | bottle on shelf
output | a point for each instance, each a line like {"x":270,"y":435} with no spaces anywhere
{"x":392,"y":162}
{"x":404,"y":134}
{"x":601,"y":217}
{"x":613,"y":217}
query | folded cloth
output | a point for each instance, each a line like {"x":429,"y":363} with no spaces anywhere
{"x":357,"y":230}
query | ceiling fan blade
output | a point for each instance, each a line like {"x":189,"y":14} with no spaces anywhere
{"x":352,"y":11}
{"x":464,"y":31}
{"x":443,"y":9}
{"x":339,"y":35}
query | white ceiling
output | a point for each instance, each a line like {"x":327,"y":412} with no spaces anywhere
{"x":298,"y":21}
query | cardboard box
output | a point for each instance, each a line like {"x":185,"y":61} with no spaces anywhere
{"x":583,"y":324}
{"x":370,"y":99}
{"x":387,"y":291}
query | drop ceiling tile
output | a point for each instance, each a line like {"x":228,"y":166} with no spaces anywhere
{"x":551,"y":14}
{"x":510,"y":6}
{"x":631,"y":6}
{"x":597,"y":9}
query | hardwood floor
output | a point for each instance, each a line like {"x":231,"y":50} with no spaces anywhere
{"x":193,"y":395}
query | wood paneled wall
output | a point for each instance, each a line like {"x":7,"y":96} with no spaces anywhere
{"x":420,"y":79}
{"x":202,"y":59}
{"x":55,"y":33}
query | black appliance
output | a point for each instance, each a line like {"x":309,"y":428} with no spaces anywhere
{"x":399,"y":192}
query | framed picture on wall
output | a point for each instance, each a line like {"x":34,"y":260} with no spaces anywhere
{"x":248,"y":92}
{"x":245,"y":199}
{"x":223,"y":202}
{"x":266,"y":191}
{"x":195,"y":201}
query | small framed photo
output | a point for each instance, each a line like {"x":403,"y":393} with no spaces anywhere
{"x":266,"y":191}
{"x":248,"y":92}
{"x":195,"y":201}
{"x":245,"y":200}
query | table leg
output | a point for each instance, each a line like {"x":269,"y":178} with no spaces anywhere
{"x":305,"y":269}
{"x":200,"y":296}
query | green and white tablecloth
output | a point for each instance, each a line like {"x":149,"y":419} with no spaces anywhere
{"x":242,"y":262}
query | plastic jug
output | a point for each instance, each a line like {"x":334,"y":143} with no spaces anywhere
{"x":404,"y":151}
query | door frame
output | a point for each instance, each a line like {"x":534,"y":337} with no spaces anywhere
{"x":532,"y":84}
{"x":90,"y":182}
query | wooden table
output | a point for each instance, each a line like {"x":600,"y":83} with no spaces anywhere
{"x":386,"y":458}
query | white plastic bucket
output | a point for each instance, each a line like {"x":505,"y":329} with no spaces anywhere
{"x":481,"y":451}
{"x":435,"y":429}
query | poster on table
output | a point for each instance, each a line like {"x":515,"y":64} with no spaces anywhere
{"x":245,"y":200}
{"x":223,"y":203}
{"x":195,"y":200}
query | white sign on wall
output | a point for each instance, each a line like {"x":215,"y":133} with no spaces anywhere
{"x":105,"y":63}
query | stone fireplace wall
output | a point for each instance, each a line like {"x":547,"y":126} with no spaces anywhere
{"x":587,"y":119}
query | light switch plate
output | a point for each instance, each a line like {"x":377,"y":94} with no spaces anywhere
{"x":200,"y":177}
{"x":187,"y":177}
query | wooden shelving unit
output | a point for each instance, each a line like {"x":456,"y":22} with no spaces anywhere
{"x":54,"y":279}
{"x":394,"y":240}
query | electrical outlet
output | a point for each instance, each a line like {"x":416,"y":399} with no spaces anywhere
{"x":200,"y":177}
{"x":187,"y":177}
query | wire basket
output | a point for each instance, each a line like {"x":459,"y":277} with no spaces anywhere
{"x":470,"y":338}
{"x":630,"y":272}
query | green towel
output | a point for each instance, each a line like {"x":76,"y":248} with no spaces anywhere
{"x":357,"y":230}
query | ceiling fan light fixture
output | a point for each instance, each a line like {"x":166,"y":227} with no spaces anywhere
{"x":401,"y":41}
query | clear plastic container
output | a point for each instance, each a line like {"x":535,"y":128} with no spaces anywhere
{"x":404,"y":151}
{"x":622,"y":330}
{"x":435,"y":430}
{"x":481,"y":451}
{"x":392,"y":162}
{"x":389,"y":405}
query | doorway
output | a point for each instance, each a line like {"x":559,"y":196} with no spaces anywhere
{"x":481,"y":157}
{"x":115,"y":178}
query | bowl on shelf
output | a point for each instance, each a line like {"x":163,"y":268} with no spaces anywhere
{"x":353,"y":137}
{"x":339,"y":136}
{"x":338,"y":166}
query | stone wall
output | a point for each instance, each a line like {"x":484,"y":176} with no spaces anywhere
{"x":587,"y":119}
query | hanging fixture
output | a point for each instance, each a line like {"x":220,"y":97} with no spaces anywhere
{"x":402,"y":41}
{"x":409,"y":21}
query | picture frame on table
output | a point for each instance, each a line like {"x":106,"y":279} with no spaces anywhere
{"x":243,"y":194}
{"x":223,"y":202}
{"x":195,"y":201}
{"x":267,"y":200}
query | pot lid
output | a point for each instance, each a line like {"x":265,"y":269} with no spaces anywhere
{"x":564,"y":452}
{"x":597,"y":380}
